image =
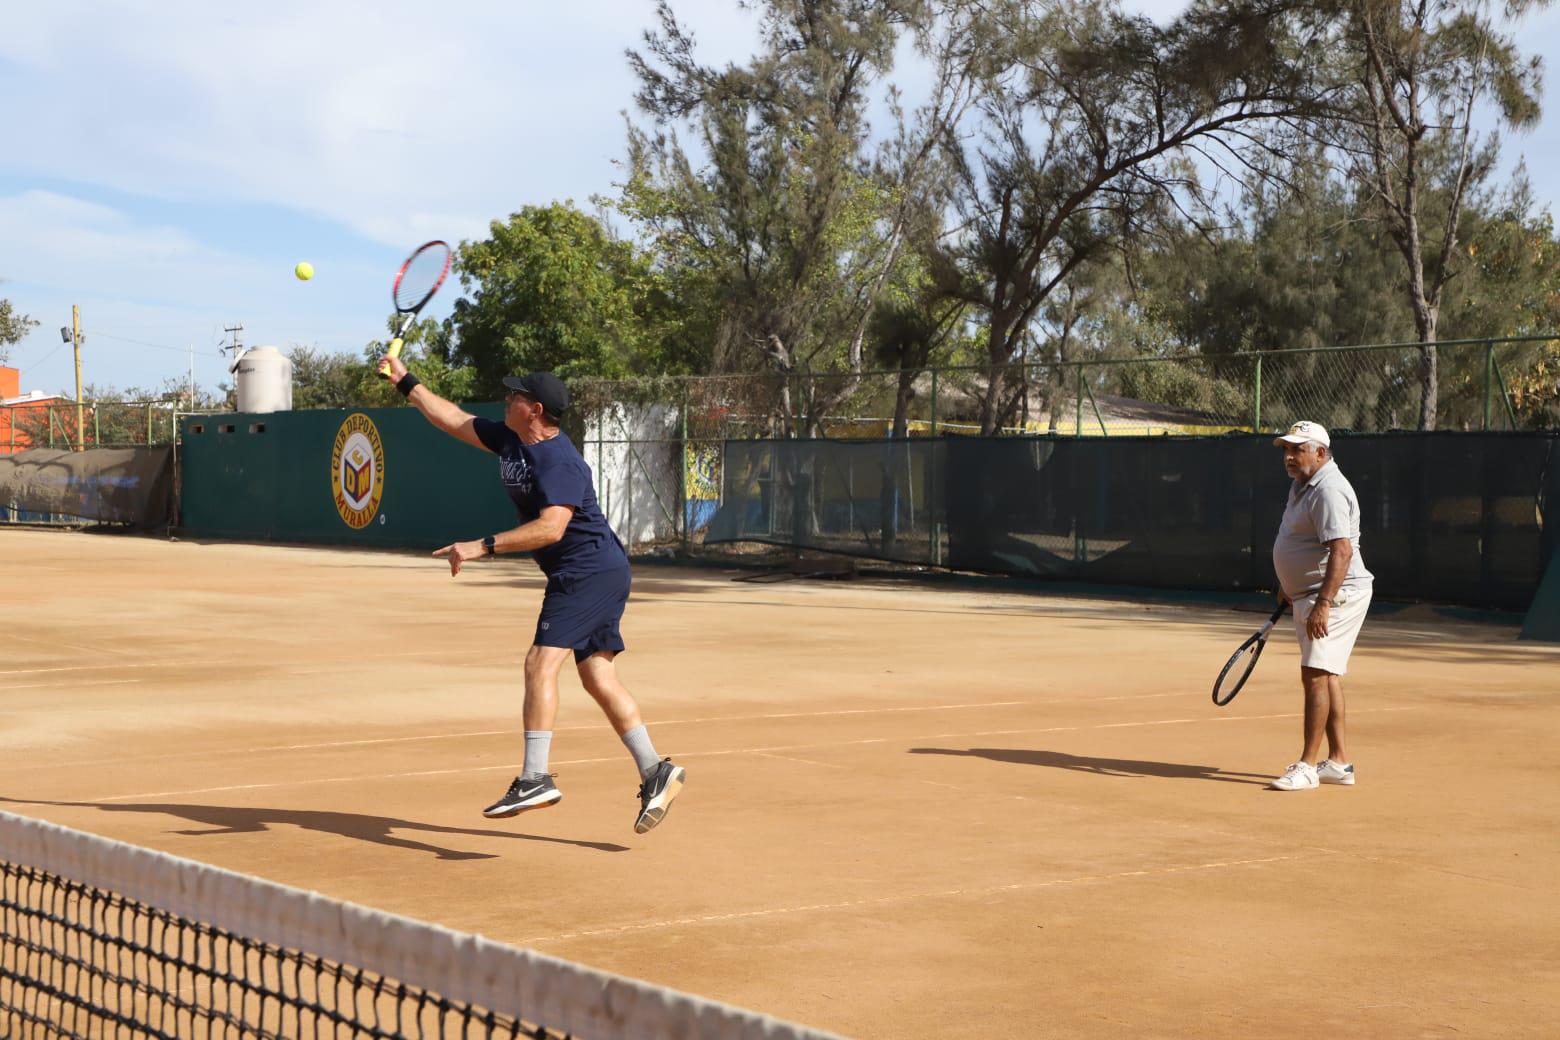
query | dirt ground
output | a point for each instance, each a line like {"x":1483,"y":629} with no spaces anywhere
{"x":910,"y":811}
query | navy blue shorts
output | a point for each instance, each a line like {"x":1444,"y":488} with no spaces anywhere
{"x":582,"y":612}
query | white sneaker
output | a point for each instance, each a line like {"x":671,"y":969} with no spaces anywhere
{"x":1298,"y":777}
{"x":1330,"y":772}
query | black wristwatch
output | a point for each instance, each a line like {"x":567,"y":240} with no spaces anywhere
{"x":490,"y":545}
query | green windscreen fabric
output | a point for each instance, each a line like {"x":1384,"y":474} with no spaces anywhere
{"x":878,"y":499}
{"x":1447,"y":517}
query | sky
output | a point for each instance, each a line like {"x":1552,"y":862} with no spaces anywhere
{"x":166,"y":165}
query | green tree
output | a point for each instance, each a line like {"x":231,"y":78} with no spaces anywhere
{"x":322,"y":379}
{"x":13,"y":326}
{"x":913,"y":330}
{"x":792,"y":226}
{"x":1417,"y":75}
{"x":120,"y":417}
{"x":1510,"y":286}
{"x":1088,"y":119}
{"x":426,"y":351}
{"x":1510,"y":279}
{"x":1295,"y":268}
{"x":551,"y":288}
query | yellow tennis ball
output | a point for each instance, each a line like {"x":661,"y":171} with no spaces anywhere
{"x":304,"y":271}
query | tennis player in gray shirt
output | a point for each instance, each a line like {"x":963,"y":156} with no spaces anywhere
{"x":1320,"y":571}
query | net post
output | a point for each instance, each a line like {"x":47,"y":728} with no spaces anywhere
{"x":601,"y":477}
{"x":75,"y":338}
{"x":1256,"y":399}
{"x":934,"y":402}
{"x":850,"y":491}
{"x":148,"y":423}
{"x":796,"y":407}
{"x":682,"y":474}
{"x":1489,"y":380}
{"x":1078,"y":401}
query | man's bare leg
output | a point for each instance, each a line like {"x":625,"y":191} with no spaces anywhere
{"x":1317,"y":707}
{"x":1335,"y":720}
{"x":660,"y":780}
{"x":534,"y":788}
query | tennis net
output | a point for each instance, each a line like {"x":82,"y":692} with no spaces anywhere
{"x":99,"y":939}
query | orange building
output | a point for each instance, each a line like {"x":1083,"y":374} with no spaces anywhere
{"x":21,"y":413}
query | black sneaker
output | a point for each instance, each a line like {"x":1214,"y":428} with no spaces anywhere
{"x":524,"y":795}
{"x":656,"y":794}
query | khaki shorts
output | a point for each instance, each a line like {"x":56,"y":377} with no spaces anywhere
{"x":1331,"y":652}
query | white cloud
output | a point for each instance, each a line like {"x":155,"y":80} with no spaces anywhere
{"x":137,"y":280}
{"x":52,"y":239}
{"x":397,"y":121}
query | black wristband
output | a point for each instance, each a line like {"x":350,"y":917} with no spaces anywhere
{"x":406,"y":383}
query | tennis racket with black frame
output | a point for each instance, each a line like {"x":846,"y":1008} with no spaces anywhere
{"x":1241,"y":663}
{"x":415,"y":283}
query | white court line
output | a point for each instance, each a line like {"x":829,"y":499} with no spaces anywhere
{"x":510,"y":766}
{"x":71,"y":646}
{"x":659,"y":722}
{"x":514,"y":731}
{"x":71,"y":668}
{"x":910,"y":897}
{"x":154,"y":663}
{"x":99,"y":761}
{"x":806,"y":761}
{"x":72,"y":686}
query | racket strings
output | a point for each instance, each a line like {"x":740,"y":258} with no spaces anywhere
{"x":421,"y":276}
{"x":1235,"y":673}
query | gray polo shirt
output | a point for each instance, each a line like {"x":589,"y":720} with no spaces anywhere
{"x":1319,"y":510}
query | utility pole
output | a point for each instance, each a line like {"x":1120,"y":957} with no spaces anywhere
{"x":75,"y":335}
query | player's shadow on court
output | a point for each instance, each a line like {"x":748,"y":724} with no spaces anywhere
{"x":1101,"y":766}
{"x":376,"y":830}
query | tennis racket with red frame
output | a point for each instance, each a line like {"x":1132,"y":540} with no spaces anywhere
{"x":415,"y":283}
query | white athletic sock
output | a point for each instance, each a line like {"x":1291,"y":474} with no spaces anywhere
{"x":637,"y":740}
{"x":538,"y":742}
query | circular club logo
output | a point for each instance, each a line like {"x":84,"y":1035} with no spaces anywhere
{"x":357,"y":470}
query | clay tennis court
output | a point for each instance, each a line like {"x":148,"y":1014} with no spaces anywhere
{"x":911,"y":811}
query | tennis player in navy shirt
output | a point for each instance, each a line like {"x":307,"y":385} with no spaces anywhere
{"x":563,"y":528}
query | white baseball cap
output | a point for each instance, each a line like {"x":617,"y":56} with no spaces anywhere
{"x":1304,"y":432}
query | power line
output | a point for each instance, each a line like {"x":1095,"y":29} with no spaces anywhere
{"x":157,"y":346}
{"x":46,"y":357}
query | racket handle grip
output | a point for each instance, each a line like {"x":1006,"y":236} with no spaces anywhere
{"x":395,"y":348}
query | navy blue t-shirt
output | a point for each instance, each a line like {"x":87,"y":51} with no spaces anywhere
{"x":552,"y":473}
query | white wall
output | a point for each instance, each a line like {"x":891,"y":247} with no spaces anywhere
{"x":627,"y":488}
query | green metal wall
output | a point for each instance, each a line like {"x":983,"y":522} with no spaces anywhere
{"x":270,"y":477}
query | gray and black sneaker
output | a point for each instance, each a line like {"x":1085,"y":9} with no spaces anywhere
{"x":656,"y":794}
{"x":524,"y":795}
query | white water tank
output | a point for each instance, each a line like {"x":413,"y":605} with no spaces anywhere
{"x":264,"y":380}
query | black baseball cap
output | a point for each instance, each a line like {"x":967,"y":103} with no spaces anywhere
{"x":544,"y":388}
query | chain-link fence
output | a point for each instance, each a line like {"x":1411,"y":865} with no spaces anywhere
{"x":67,"y":425}
{"x":89,"y":424}
{"x":659,"y":446}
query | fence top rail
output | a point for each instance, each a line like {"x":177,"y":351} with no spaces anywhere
{"x":1159,"y":359}
{"x":66,"y":403}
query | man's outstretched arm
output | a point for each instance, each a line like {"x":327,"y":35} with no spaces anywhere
{"x":446,"y":415}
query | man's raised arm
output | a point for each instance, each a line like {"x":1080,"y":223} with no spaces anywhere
{"x":446,"y":415}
